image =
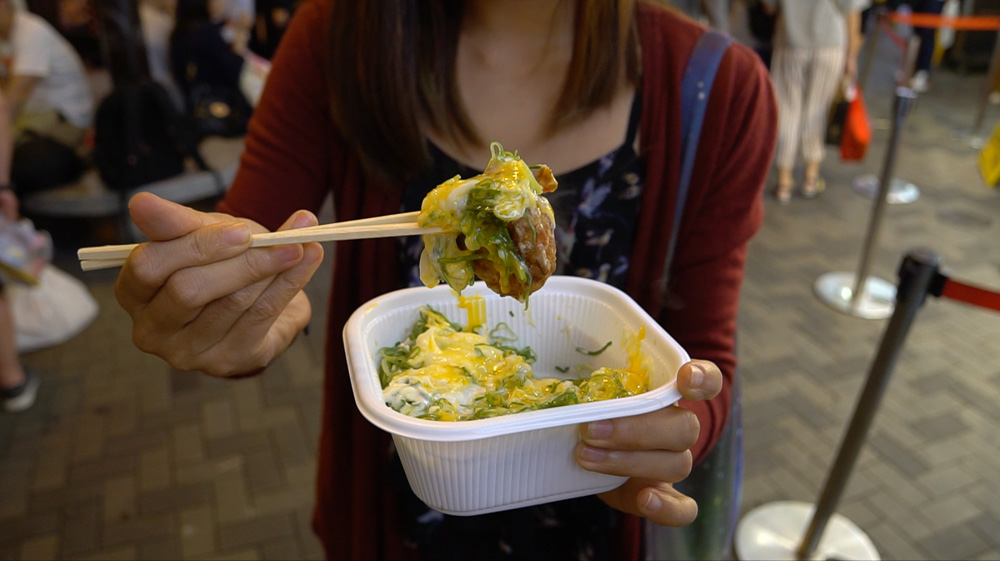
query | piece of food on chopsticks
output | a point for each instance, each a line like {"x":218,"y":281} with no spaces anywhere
{"x":443,"y":372}
{"x":498,"y":227}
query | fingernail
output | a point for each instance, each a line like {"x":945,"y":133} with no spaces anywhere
{"x":302,"y":220}
{"x":653,"y":503}
{"x":600,"y":430}
{"x":592,"y":454}
{"x":235,"y":234}
{"x":697,"y":376}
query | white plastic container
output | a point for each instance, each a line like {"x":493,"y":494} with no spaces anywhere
{"x":488,"y":465}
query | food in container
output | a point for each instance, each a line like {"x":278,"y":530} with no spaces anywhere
{"x":509,"y":461}
{"x":446,"y":372}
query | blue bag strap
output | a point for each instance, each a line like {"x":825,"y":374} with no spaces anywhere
{"x":695,"y":89}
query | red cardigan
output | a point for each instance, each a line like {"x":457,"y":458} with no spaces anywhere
{"x":294,"y":158}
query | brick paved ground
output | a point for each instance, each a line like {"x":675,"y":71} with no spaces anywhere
{"x":122,"y":458}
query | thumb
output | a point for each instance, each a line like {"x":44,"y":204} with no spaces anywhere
{"x":163,"y":220}
{"x":699,"y":380}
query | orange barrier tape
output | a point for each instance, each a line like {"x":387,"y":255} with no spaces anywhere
{"x":963,"y":23}
{"x":971,"y":294}
{"x":896,"y":38}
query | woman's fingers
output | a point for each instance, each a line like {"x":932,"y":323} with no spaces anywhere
{"x":671,"y":428}
{"x":653,"y":446}
{"x":264,"y":329}
{"x":280,"y":313}
{"x":151,"y":265}
{"x":656,"y":501}
{"x":190,"y":292}
{"x":185,"y":237}
{"x":657,"y":465}
{"x":269,"y":295}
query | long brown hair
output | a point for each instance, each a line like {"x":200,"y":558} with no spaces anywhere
{"x":391,"y":68}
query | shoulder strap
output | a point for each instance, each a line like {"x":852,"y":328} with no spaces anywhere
{"x":695,"y":89}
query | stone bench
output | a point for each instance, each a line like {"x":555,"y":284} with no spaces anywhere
{"x":90,"y":198}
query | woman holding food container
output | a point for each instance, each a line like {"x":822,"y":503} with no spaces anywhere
{"x":374,"y":103}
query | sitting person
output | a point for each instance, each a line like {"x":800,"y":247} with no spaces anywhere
{"x":50,"y":103}
{"x":207,"y":64}
{"x":18,"y":385}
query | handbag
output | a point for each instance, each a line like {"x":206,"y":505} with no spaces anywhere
{"x":219,"y":111}
{"x":716,"y":483}
{"x":857,"y":132}
{"x":835,"y":119}
{"x":52,"y":312}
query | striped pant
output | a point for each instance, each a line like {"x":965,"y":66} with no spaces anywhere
{"x":805,"y":82}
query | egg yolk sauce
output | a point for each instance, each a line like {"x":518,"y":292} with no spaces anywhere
{"x":443,"y":372}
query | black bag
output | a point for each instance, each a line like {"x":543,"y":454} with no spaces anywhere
{"x":761,"y":23}
{"x":140,"y":137}
{"x":219,"y":111}
{"x":836,"y":118}
{"x":41,"y":163}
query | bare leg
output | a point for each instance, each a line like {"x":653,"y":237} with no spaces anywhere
{"x":786,"y":182}
{"x":812,"y":185}
{"x":11,"y":372}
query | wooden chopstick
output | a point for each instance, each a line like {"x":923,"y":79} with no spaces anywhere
{"x":108,"y":256}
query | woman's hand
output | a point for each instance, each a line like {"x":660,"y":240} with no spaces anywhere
{"x":652,"y":450}
{"x":202,"y":300}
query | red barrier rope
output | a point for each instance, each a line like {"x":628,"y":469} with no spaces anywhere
{"x":962,"y":23}
{"x":970,"y":294}
{"x":890,"y":31}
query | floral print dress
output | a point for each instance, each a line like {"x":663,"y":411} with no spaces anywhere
{"x":596,"y":209}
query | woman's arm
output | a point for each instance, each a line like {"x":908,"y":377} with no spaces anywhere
{"x":854,"y":41}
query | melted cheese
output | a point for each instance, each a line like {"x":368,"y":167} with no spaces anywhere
{"x":453,"y":374}
{"x":475,"y":311}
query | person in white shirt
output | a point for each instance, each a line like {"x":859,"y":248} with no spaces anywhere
{"x":46,"y":84}
{"x":816,"y":45}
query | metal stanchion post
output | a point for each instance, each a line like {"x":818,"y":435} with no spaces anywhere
{"x":975,"y":139}
{"x":773,"y":531}
{"x":900,"y":190}
{"x":874,"y":34}
{"x":860,"y":294}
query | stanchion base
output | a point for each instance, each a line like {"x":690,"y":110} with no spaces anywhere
{"x":837,"y":289}
{"x":968,"y":140}
{"x":775,"y":531}
{"x":901,"y":192}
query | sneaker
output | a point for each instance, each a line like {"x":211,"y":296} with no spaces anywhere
{"x":920,"y":82}
{"x":21,"y":397}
